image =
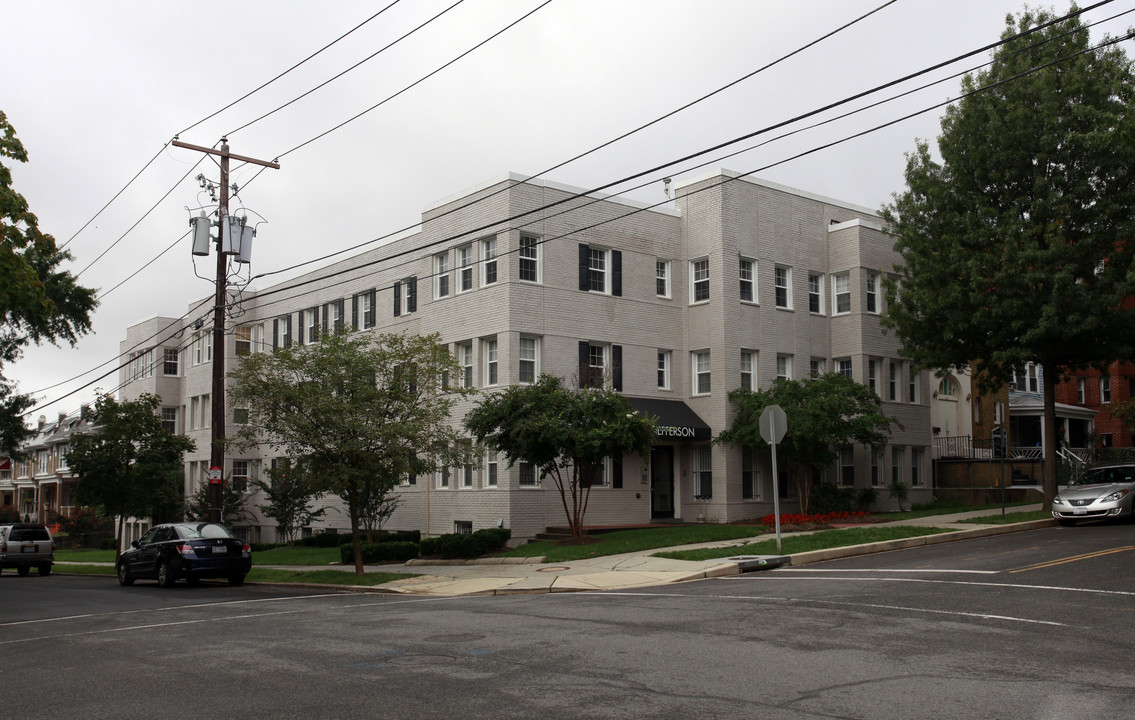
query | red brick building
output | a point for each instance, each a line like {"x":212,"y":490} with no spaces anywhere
{"x":1100,"y":392}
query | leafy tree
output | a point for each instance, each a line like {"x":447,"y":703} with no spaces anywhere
{"x":822,"y":414}
{"x":376,"y":505}
{"x":234,"y":504}
{"x":356,"y":410}
{"x":563,"y":433}
{"x":130,"y":465}
{"x":291,"y":494}
{"x":38,"y":301}
{"x":1017,"y":247}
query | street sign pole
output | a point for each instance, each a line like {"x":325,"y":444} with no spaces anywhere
{"x":773,"y":424}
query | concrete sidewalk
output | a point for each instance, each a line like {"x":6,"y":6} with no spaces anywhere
{"x":504,"y":576}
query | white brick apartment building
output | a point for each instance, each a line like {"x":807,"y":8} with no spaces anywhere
{"x":735,"y":282}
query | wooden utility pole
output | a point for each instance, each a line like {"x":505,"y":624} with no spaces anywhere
{"x":217,"y":449}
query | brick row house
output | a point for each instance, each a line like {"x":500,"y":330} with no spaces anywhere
{"x":732,"y":283}
{"x":39,"y":486}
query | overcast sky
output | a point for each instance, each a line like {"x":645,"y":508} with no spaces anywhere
{"x":95,"y":89}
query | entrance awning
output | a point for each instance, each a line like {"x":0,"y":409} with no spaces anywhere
{"x":675,"y":418}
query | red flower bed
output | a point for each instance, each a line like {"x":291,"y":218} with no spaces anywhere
{"x":815,"y":519}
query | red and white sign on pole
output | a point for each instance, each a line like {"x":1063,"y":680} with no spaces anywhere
{"x":215,"y":475}
{"x":773,"y":424}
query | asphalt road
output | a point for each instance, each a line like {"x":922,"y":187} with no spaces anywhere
{"x":1030,"y":625}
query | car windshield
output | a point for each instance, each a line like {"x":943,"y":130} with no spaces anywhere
{"x":1098,"y":476}
{"x":204,"y":530}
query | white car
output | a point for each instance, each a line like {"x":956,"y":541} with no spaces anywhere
{"x":1099,"y":493}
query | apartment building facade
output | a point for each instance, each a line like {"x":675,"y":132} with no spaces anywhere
{"x":733,"y":283}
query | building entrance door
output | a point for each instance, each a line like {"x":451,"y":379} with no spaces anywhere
{"x":662,"y":481}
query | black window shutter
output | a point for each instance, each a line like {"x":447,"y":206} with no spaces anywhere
{"x":616,"y":472}
{"x":617,"y":367}
{"x":355,"y":312}
{"x":325,"y":324}
{"x":584,"y":364}
{"x":372,"y":319}
{"x":412,"y":479}
{"x":412,"y":297}
{"x":288,"y":330}
{"x":276,"y":333}
{"x":302,"y":331}
{"x":584,"y":268}
{"x":617,"y":272}
{"x":397,"y":299}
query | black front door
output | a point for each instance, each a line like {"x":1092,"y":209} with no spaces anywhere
{"x":662,"y":481}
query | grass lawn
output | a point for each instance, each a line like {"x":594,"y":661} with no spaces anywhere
{"x":297,"y":555}
{"x":622,"y":541}
{"x":85,"y":569}
{"x":821,"y":540}
{"x":85,"y":555}
{"x":1010,"y":517}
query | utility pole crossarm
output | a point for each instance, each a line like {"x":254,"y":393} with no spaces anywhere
{"x":224,"y":151}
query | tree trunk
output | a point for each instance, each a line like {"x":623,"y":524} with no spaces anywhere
{"x":356,"y":541}
{"x":118,"y":545}
{"x":1050,"y":437}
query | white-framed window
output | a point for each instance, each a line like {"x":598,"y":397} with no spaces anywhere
{"x":529,"y":259}
{"x":240,"y":415}
{"x":892,"y":381}
{"x":872,"y":292}
{"x":465,"y":476}
{"x":701,"y":370}
{"x":242,"y":336}
{"x":662,"y":278}
{"x":948,"y":388}
{"x":311,"y":324}
{"x":915,"y":467}
{"x":465,"y":360}
{"x":750,"y":475}
{"x":526,"y":475}
{"x":441,"y":275}
{"x":203,"y":347}
{"x":816,"y":367}
{"x":784,"y":366}
{"x":462,"y":527}
{"x":699,"y":280}
{"x":998,"y":412}
{"x":492,"y":376}
{"x":489,"y":474}
{"x":847,"y":466}
{"x":703,"y":472}
{"x":841,"y":293}
{"x":488,"y":261}
{"x":441,"y":474}
{"x":241,"y":470}
{"x":1105,"y":389}
{"x":598,"y":270}
{"x":782,"y":286}
{"x":815,"y":293}
{"x":169,"y":419}
{"x":912,"y":385}
{"x":598,"y":365}
{"x":283,"y":331}
{"x":529,"y":353}
{"x":843,"y":366}
{"x":748,"y":279}
{"x":664,"y":369}
{"x":747,"y":368}
{"x":594,"y":474}
{"x":896,"y":464}
{"x":336,"y":316}
{"x":465,"y":268}
{"x":873,"y":374}
{"x":171,"y":362}
{"x":876,"y":468}
{"x":367,"y":303}
{"x":1080,"y":394}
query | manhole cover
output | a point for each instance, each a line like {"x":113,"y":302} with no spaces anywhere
{"x":421,"y":660}
{"x":554,"y":568}
{"x":455,"y":638}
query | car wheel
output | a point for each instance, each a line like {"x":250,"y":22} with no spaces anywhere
{"x":165,"y":575}
{"x":1066,"y":522}
{"x":44,"y":568}
{"x":124,"y":577}
{"x":236,"y":579}
{"x":23,"y":570}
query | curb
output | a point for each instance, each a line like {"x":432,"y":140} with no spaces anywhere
{"x":815,"y":556}
{"x":479,"y":561}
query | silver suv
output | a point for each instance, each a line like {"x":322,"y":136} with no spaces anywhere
{"x":26,"y":545}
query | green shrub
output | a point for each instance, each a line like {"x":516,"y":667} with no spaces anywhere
{"x":455,"y":545}
{"x":390,"y":551}
{"x":828,"y":498}
{"x":866,"y":497}
{"x":324,"y":539}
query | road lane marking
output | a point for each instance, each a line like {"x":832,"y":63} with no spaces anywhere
{"x":880,"y":570}
{"x":1090,"y":591}
{"x":1074,"y":558}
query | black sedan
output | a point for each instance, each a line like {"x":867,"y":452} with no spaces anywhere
{"x":190,"y":550}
